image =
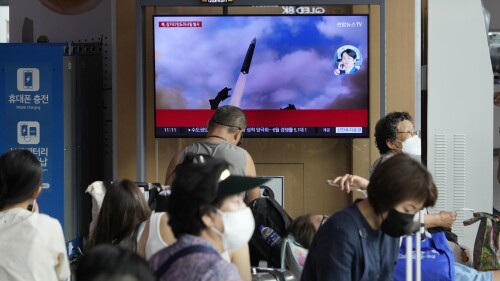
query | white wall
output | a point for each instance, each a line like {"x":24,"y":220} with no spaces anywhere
{"x":460,"y":111}
{"x":4,"y":20}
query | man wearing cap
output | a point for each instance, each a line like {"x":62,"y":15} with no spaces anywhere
{"x":225,"y":132}
{"x":208,"y":217}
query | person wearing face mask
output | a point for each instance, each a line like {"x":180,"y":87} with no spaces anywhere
{"x":394,"y":134}
{"x":224,"y":137}
{"x":338,"y":253}
{"x":208,"y":218}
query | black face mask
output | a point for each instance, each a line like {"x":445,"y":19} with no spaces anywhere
{"x":397,"y":224}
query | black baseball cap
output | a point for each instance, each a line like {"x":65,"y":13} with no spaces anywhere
{"x":209,"y":179}
{"x":236,"y":184}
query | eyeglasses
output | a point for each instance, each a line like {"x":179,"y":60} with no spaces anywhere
{"x":412,"y":132}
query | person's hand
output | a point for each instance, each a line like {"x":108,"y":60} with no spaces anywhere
{"x":447,"y":218}
{"x":338,"y":69}
{"x":349,"y":182}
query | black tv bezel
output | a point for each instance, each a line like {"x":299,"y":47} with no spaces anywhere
{"x":202,"y":130}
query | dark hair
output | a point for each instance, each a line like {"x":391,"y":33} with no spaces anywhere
{"x":398,"y":179}
{"x":20,"y":176}
{"x":230,"y":116}
{"x":302,"y":230}
{"x":387,"y":129}
{"x":123,"y":210}
{"x":194,"y":194}
{"x":112,"y":263}
{"x":349,"y":52}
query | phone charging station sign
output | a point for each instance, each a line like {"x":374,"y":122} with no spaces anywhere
{"x":32,"y":109}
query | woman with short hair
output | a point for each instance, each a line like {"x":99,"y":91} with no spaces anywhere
{"x":337,"y":252}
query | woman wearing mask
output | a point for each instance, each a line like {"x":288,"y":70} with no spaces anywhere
{"x":338,"y":253}
{"x":208,"y":217}
{"x":394,"y":134}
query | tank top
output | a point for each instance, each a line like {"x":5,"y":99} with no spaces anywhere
{"x":233,"y":154}
{"x":154,"y":242}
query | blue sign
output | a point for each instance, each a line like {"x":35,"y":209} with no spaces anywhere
{"x":32,"y":113}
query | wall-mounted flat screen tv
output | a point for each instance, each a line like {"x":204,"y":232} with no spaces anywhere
{"x":294,"y":76}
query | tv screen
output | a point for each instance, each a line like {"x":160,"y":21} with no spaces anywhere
{"x":294,"y":76}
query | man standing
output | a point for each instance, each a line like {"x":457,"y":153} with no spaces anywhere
{"x":225,"y":132}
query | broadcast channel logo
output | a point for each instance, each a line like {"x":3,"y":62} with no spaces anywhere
{"x":28,"y":79}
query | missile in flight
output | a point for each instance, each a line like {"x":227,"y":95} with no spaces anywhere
{"x":245,"y":67}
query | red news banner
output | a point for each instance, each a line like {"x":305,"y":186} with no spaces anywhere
{"x":269,"y":118}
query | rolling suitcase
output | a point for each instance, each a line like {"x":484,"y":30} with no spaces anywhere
{"x":271,"y":274}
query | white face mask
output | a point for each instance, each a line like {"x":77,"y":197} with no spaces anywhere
{"x":238,"y":228}
{"x":412,"y":146}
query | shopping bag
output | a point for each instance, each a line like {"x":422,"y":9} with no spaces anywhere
{"x":486,"y":254}
{"x":437,"y":260}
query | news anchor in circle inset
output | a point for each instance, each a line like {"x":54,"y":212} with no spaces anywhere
{"x":348,"y":60}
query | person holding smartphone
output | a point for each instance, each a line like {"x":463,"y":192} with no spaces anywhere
{"x":347,"y":64}
{"x":32,"y":244}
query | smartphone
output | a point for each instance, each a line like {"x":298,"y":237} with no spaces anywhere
{"x":331,"y":183}
{"x":30,"y":206}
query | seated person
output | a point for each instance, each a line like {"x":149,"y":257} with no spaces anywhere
{"x":125,"y":219}
{"x":394,"y":134}
{"x":32,"y":244}
{"x":299,"y":237}
{"x":208,"y":217}
{"x":108,"y":262}
{"x":338,"y":251}
{"x":223,"y":141}
{"x":350,"y":182}
{"x":303,"y":229}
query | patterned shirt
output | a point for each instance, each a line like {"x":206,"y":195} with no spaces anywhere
{"x":195,"y":266}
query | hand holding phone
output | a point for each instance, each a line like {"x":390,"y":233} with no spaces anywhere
{"x":345,"y":185}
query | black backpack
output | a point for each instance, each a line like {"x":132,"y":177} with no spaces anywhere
{"x":267,"y":212}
